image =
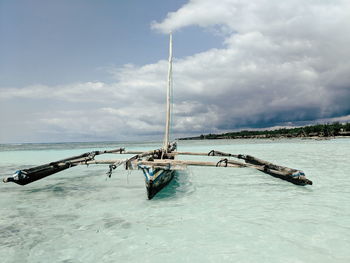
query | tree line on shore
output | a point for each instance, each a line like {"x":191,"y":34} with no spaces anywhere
{"x":319,"y":130}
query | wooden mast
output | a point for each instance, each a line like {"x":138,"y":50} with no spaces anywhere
{"x":168,"y":102}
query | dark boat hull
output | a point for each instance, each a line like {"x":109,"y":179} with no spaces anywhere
{"x":160,"y":180}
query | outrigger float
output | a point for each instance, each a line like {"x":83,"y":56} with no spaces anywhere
{"x":159,"y":166}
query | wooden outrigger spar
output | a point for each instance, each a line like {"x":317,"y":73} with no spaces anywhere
{"x":151,"y":159}
{"x":160,"y":165}
{"x":288,"y":174}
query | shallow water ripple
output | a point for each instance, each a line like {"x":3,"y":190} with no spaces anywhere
{"x":204,"y":214}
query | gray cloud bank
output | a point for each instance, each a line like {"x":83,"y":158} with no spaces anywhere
{"x":283,"y":63}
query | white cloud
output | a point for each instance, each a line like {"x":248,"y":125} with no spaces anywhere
{"x":283,"y":60}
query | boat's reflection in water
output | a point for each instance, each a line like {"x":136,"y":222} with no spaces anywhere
{"x":180,"y":186}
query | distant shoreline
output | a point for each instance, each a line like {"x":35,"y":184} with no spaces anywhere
{"x":264,"y":138}
{"x":315,"y":132}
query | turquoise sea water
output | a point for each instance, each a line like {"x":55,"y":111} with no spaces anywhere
{"x":204,"y":215}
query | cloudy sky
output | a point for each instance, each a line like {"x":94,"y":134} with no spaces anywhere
{"x":96,"y":70}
